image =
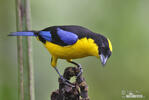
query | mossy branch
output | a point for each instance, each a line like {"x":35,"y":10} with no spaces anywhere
{"x":65,"y":92}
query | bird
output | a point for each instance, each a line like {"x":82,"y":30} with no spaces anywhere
{"x":70,"y":42}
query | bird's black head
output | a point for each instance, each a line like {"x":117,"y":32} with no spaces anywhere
{"x":104,"y":48}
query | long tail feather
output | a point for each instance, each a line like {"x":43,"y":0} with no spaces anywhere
{"x":22,"y":34}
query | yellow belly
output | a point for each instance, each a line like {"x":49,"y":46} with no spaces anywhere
{"x":82,"y":48}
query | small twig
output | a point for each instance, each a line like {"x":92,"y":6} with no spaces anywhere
{"x":25,"y":62}
{"x":65,"y":92}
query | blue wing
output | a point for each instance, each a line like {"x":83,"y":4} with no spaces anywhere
{"x":67,"y":37}
{"x":58,"y":36}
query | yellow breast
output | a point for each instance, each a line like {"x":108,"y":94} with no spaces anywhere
{"x":82,"y":48}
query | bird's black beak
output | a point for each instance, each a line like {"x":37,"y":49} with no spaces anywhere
{"x":103,"y":59}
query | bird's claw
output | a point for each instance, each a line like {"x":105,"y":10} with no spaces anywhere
{"x":80,"y":71}
{"x":65,"y":81}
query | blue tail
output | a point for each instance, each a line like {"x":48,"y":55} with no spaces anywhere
{"x":22,"y":34}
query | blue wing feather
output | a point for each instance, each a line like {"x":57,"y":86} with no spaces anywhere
{"x":46,"y":35}
{"x":67,"y":37}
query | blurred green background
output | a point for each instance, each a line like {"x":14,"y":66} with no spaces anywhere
{"x":125,"y":22}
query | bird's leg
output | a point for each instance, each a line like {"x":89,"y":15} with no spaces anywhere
{"x":53,"y":63}
{"x":78,"y":65}
{"x":64,"y":80}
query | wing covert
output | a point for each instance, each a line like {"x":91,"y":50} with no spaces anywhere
{"x":46,"y":35}
{"x":67,"y":37}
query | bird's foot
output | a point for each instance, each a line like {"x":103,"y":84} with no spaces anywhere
{"x":65,"y":81}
